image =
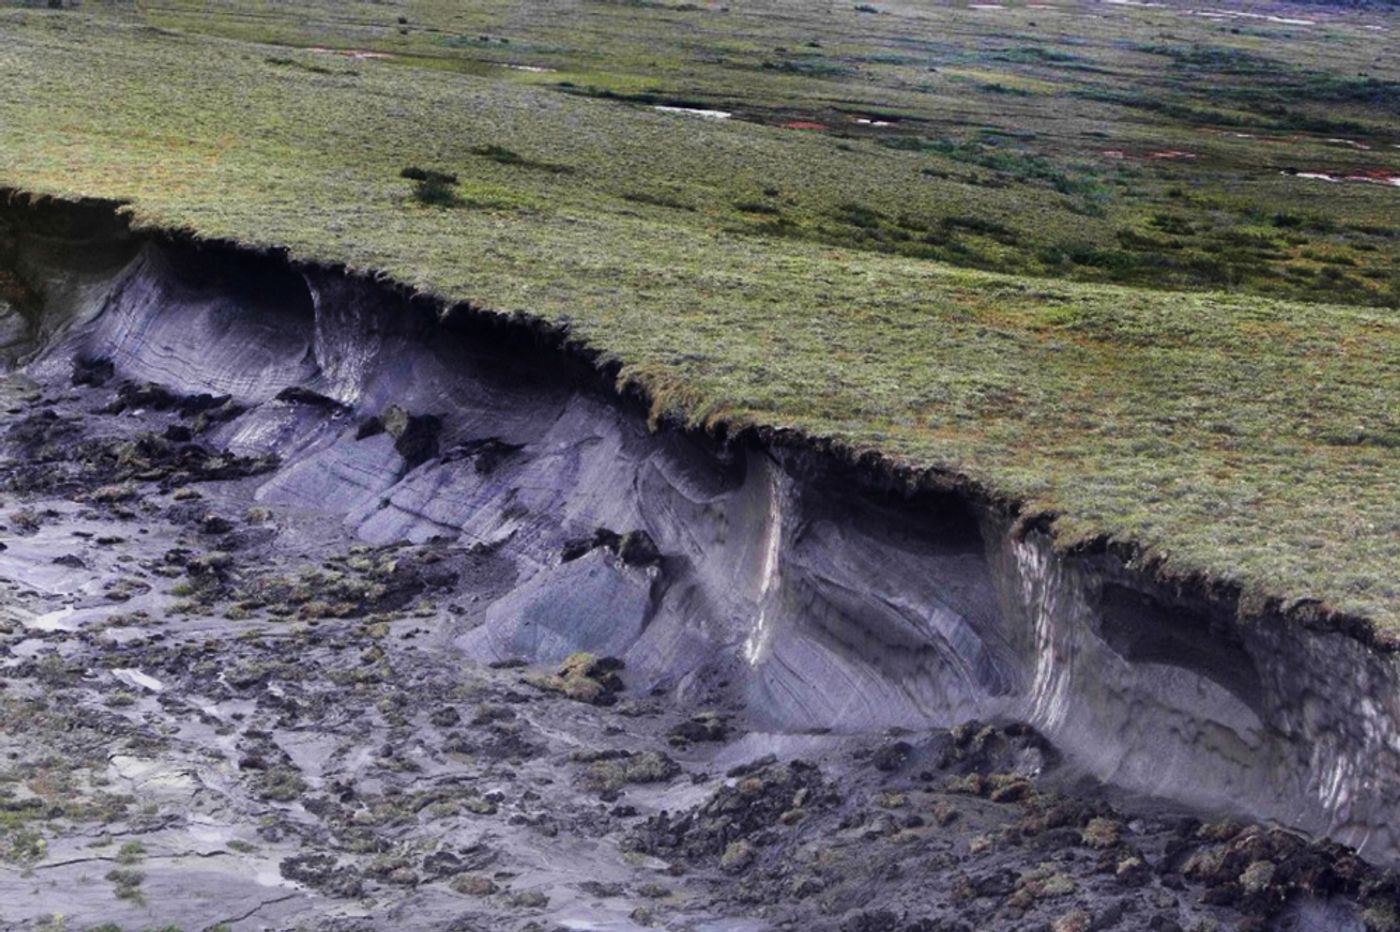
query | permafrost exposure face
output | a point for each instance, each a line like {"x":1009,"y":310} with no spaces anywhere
{"x":816,"y":608}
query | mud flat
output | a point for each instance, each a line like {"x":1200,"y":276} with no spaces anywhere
{"x":330,"y":607}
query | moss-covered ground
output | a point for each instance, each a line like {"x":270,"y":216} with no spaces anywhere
{"x":1070,"y":253}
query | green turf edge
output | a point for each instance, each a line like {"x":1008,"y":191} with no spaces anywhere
{"x":1244,"y":603}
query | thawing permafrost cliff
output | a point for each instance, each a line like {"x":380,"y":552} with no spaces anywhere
{"x":797,"y":580}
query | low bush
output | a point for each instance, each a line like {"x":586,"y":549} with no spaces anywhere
{"x":433,"y":188}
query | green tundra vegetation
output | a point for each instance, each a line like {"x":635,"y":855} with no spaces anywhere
{"x":1131,"y":264}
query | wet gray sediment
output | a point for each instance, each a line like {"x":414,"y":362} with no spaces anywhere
{"x":292,"y":558}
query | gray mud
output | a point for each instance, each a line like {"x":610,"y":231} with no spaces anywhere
{"x":328,"y":609}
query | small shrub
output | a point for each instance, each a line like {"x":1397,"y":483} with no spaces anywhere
{"x":24,"y":846}
{"x":999,"y":88}
{"x":133,"y":852}
{"x":433,"y":188}
{"x":755,"y":207}
{"x":280,"y":784}
{"x":859,"y":215}
{"x":126,"y":883}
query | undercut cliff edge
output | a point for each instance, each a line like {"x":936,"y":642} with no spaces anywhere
{"x":230,"y":417}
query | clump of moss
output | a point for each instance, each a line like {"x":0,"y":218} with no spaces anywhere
{"x":529,"y":899}
{"x":1102,"y":833}
{"x":584,"y":677}
{"x":24,"y":846}
{"x":133,"y":852}
{"x":609,"y":771}
{"x":1381,"y":917}
{"x":279,"y":784}
{"x":126,"y":883}
{"x":473,"y":885}
{"x":737,"y":857}
{"x":1257,"y":877}
{"x":1040,"y":883}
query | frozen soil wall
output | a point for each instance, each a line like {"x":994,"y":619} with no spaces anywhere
{"x":818,"y":592}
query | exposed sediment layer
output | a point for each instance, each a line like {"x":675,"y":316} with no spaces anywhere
{"x":819,"y":590}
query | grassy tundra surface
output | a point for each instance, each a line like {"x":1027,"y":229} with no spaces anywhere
{"x":1072,"y":254}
